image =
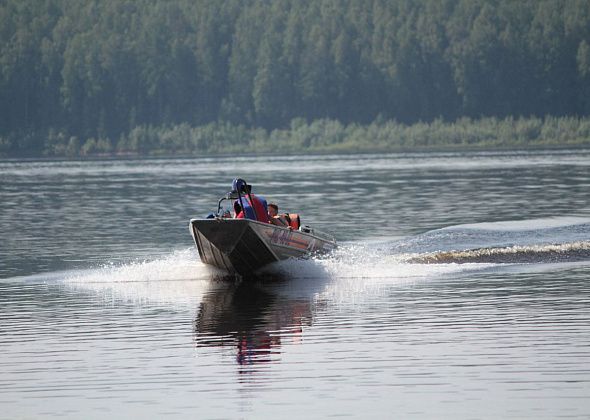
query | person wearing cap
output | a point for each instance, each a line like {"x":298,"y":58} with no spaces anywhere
{"x":252,"y":207}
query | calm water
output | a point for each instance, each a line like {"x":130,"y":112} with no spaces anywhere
{"x":460,"y":290}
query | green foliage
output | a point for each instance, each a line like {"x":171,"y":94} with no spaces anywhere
{"x":123,"y":72}
{"x":326,"y":135}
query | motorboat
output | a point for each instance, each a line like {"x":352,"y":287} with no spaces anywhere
{"x":244,"y":246}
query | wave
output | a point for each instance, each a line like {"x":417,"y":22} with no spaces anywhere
{"x":548,"y":240}
{"x":178,"y":279}
{"x":552,"y":253}
{"x":179,"y":265}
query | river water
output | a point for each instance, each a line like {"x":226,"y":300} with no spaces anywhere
{"x":460,"y":290}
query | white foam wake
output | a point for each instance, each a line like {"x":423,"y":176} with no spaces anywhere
{"x":175,"y":279}
{"x":180,"y":265}
{"x":358,"y":261}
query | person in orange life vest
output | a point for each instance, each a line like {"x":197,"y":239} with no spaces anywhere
{"x":275,"y":218}
{"x":292,"y":221}
{"x":257,"y":210}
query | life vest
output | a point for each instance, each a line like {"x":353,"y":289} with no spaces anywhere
{"x":259,"y":205}
{"x":293,"y":220}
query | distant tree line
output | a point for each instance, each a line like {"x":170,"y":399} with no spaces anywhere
{"x":85,"y":75}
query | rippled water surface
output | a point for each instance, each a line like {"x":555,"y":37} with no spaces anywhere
{"x":460,"y":290}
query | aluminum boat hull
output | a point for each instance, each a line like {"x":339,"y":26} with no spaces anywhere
{"x":243,"y":246}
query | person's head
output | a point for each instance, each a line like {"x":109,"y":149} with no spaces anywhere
{"x":273,"y":209}
{"x":239,"y":185}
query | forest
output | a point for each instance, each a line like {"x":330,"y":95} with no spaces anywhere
{"x":83,"y":77}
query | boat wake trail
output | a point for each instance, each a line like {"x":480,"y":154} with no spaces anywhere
{"x":354,"y":270}
{"x":540,"y":241}
{"x":459,"y":249}
{"x":554,"y":253}
{"x":463,"y":249}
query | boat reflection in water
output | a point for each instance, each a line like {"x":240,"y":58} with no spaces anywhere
{"x":254,"y":319}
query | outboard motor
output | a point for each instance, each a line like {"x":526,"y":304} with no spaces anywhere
{"x":306,"y":229}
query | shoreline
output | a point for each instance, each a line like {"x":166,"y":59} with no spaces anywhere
{"x":365,"y":151}
{"x":316,"y":137}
